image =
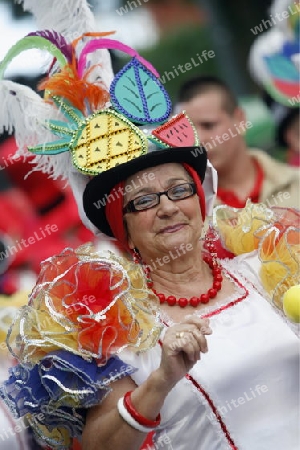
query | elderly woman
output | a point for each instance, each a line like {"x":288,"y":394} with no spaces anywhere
{"x":164,"y":338}
{"x":224,"y":382}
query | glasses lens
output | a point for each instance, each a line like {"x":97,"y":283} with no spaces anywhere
{"x":145,"y":201}
{"x":181,"y":191}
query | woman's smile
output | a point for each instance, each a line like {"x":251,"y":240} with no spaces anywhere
{"x":172,"y":228}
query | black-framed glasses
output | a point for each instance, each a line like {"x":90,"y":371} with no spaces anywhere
{"x":147,"y":201}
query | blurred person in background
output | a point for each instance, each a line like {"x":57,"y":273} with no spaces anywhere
{"x":243,"y":173}
{"x":287,"y":130}
{"x":288,"y":136}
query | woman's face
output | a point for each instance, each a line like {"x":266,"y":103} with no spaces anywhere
{"x":169,"y":224}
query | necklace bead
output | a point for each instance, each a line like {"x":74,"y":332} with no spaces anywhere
{"x":171,"y":300}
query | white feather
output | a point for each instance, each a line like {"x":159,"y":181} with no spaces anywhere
{"x":72,"y":19}
{"x":25,"y":113}
{"x":69,"y":17}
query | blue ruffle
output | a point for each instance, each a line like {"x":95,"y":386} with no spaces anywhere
{"x":56,"y":392}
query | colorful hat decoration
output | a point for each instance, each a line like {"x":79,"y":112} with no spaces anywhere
{"x":135,"y":91}
{"x":102,"y":138}
{"x":274,"y":57}
{"x":85,"y":127}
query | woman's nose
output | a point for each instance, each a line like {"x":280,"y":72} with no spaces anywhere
{"x":167,"y":206}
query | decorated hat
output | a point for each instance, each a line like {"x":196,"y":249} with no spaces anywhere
{"x":274,"y":59}
{"x":96,"y":133}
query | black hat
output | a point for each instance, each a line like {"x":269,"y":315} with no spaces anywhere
{"x":97,"y":190}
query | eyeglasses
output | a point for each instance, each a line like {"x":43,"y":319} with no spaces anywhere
{"x":147,"y":201}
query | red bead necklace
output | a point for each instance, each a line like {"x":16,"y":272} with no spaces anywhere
{"x":171,"y":300}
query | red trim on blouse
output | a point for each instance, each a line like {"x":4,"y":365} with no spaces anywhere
{"x":196,"y":384}
{"x":214,"y":410}
{"x":229,"y":304}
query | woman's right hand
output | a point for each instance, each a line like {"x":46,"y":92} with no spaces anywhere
{"x":182,"y":347}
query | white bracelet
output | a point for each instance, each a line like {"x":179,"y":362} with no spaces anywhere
{"x":129,"y":419}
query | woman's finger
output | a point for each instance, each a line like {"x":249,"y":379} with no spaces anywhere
{"x":189,"y":340}
{"x":201,"y":324}
{"x":200,"y":339}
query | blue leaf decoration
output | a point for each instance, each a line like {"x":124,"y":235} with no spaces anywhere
{"x":139,"y":95}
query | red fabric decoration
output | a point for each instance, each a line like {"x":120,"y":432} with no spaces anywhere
{"x":229,"y":198}
{"x":199,"y":188}
{"x":114,"y":214}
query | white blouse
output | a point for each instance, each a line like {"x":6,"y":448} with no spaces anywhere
{"x":244,"y":393}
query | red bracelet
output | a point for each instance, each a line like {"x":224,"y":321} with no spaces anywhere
{"x":137,"y":416}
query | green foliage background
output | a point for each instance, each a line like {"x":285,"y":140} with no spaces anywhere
{"x":177,"y":48}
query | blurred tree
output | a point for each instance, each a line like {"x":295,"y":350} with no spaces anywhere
{"x":230,"y":24}
{"x":181,"y":47}
{"x":227,"y":31}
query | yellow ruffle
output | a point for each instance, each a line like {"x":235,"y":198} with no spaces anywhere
{"x":274,"y":233}
{"x":9,"y":306}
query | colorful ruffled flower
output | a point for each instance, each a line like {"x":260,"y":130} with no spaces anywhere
{"x":274,"y":233}
{"x":90,"y":306}
{"x":279,"y":251}
{"x":84,"y":309}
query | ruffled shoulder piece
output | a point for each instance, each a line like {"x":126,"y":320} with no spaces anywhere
{"x":84,"y":309}
{"x":274,"y":233}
